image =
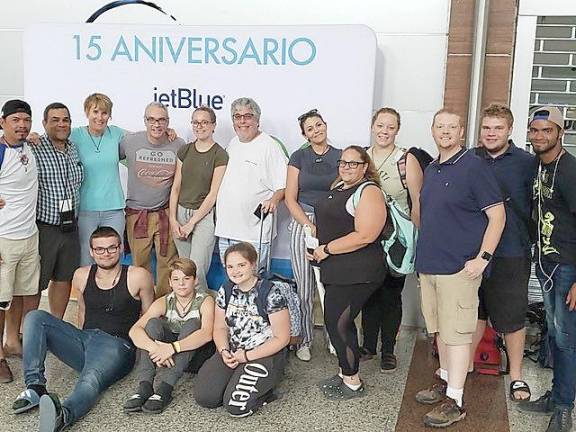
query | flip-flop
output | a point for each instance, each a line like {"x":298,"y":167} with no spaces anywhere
{"x":517,"y":386}
{"x":25,"y":401}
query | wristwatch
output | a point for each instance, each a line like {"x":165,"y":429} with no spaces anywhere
{"x":486,"y":256}
{"x":326,"y":251}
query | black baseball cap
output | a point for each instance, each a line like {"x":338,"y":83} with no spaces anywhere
{"x":15,"y":106}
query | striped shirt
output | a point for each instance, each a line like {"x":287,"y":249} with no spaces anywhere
{"x":60,"y":175}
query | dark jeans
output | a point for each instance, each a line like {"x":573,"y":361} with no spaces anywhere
{"x":157,"y":329}
{"x":101,"y":359}
{"x":556,"y":283}
{"x":241,"y":390}
{"x":382,"y":314}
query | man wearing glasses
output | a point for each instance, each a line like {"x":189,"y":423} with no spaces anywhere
{"x":112,"y":297}
{"x":19,"y":259}
{"x":151,"y":159}
{"x":253,"y":184}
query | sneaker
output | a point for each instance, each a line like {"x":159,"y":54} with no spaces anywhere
{"x":138,"y":399}
{"x":343,"y":392}
{"x":388,"y":364}
{"x":333,"y":381}
{"x":541,"y":406}
{"x":51,"y":414}
{"x":5,"y":372}
{"x":303,"y":353}
{"x":366,"y":354}
{"x":160,"y":400}
{"x":445,"y":414}
{"x":561,"y":420}
{"x":433,"y":394}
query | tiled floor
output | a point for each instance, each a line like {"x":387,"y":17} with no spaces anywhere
{"x":301,"y":408}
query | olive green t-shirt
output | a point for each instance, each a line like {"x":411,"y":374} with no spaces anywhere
{"x":197,"y":171}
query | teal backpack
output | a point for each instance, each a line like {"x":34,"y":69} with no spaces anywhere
{"x":399,"y":235}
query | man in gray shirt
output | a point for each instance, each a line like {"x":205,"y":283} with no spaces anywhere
{"x":151,"y":159}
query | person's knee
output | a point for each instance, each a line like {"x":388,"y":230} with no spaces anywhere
{"x":154,"y":328}
{"x":206,"y":397}
{"x":190,"y":327}
{"x":91,"y":379}
{"x":34,"y":319}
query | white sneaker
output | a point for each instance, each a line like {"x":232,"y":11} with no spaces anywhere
{"x":303,"y":353}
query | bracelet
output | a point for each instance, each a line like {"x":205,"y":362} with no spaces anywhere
{"x":246,"y":356}
{"x":174,"y":347}
{"x":224,"y":349}
{"x":326,"y":251}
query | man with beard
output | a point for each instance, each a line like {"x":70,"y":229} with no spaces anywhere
{"x":555,"y":208}
{"x":503,"y":292}
{"x":112,"y":297}
{"x":19,"y":261}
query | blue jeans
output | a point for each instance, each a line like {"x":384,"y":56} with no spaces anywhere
{"x":556,"y":281}
{"x":88,"y":221}
{"x":101,"y":359}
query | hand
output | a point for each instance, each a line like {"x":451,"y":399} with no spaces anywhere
{"x":172,"y":135}
{"x":2,"y":203}
{"x":319,"y":254}
{"x":473,"y":268}
{"x":33,"y":138}
{"x":168,"y":363}
{"x":269,"y":206}
{"x":162,"y":352}
{"x":240,"y":356}
{"x":571,"y":298}
{"x":228,"y":359}
{"x":176,"y":229}
{"x":187,"y":229}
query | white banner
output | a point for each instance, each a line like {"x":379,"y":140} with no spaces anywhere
{"x":286,"y":69}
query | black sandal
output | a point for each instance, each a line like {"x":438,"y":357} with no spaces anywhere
{"x":517,"y":386}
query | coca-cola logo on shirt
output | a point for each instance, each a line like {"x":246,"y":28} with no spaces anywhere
{"x":155,"y":167}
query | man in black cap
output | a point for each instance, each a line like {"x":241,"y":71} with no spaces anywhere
{"x":19,"y":259}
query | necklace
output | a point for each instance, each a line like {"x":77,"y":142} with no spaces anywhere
{"x":111,"y":291}
{"x":319,"y":157}
{"x":185,"y":307}
{"x":385,"y":159}
{"x":96,"y":146}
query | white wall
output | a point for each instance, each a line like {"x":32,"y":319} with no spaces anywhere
{"x":412,"y":39}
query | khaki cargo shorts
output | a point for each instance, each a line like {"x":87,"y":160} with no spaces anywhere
{"x":19,"y":268}
{"x":450,"y":306}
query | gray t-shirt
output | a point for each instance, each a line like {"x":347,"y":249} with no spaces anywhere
{"x":317,"y":173}
{"x":151,"y":169}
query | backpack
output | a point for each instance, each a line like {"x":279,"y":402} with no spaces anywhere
{"x":423,"y":158}
{"x":264,"y":286}
{"x":491,"y":356}
{"x":399,"y":235}
{"x":540,"y":350}
{"x":2,"y":151}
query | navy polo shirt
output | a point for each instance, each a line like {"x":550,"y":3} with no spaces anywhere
{"x":514,"y":169}
{"x":454,"y":196}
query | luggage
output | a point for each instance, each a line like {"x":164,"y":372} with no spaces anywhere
{"x":491,"y":357}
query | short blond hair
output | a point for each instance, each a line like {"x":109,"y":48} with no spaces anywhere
{"x":98,"y":100}
{"x":446,"y":111}
{"x":499,"y":111}
{"x":185,"y":265}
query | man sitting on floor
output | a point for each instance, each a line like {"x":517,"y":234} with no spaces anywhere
{"x":112,"y":297}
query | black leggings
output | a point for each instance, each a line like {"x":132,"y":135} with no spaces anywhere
{"x":383,"y":313}
{"x":342,"y":304}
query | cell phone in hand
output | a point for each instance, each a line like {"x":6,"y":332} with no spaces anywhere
{"x":258,"y":212}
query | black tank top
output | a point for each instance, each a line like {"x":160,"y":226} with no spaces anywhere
{"x":334,"y":221}
{"x":113,"y":311}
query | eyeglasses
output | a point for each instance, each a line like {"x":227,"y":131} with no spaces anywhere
{"x":110,"y":249}
{"x":163,"y":121}
{"x":311,"y":113}
{"x":349,"y":164}
{"x":245,"y":117}
{"x":202,"y":123}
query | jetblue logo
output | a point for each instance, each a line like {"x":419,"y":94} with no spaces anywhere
{"x":188,"y":98}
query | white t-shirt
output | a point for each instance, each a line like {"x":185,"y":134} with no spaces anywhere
{"x":19,"y":188}
{"x":255,"y":171}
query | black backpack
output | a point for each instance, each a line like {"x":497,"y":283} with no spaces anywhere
{"x":263,"y":289}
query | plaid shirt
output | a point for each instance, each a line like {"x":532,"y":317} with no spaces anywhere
{"x":60,"y":175}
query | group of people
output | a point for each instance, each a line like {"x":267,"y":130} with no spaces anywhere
{"x":63,"y":215}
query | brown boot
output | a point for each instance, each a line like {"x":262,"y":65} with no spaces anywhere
{"x":5,"y":372}
{"x":433,"y":394}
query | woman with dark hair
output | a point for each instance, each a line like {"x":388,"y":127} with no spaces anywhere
{"x":350,"y":220}
{"x":200,"y":168}
{"x":311,"y":171}
{"x":401,"y":179}
{"x":251,"y":332}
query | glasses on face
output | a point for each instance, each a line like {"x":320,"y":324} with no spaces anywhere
{"x":246,"y":117}
{"x":349,"y":164}
{"x":162,"y":121}
{"x":202,"y":123}
{"x":311,"y":113}
{"x":110,"y":250}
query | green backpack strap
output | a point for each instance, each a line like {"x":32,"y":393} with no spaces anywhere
{"x":282,"y":146}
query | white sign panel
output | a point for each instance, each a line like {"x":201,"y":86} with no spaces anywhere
{"x":286,"y":69}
